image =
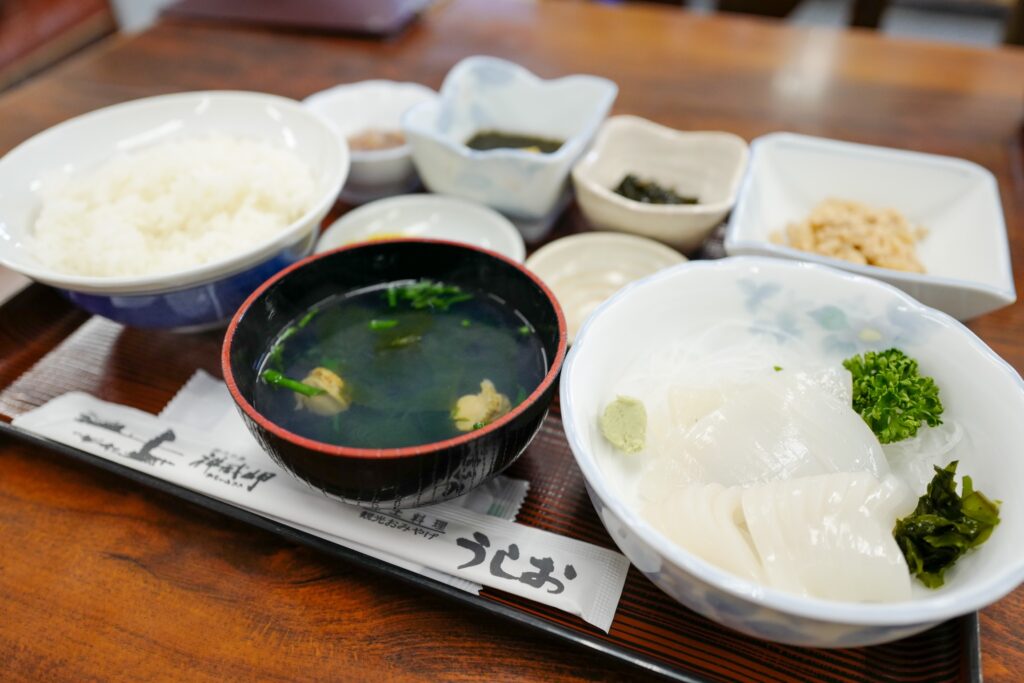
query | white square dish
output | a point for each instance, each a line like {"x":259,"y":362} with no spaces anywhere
{"x":705,"y":164}
{"x":965,"y":253}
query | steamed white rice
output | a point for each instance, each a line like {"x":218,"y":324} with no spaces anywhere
{"x":172,"y":206}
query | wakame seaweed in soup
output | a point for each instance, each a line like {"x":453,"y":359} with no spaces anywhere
{"x":404,"y":364}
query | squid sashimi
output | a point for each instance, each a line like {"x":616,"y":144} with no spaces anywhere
{"x":707,"y":520}
{"x":783,"y":426}
{"x":830,"y":536}
{"x":826,"y":536}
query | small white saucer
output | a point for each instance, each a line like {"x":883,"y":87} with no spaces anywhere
{"x":430,"y":216}
{"x":586,"y":269}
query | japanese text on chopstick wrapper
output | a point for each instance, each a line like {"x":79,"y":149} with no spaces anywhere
{"x":577,"y":577}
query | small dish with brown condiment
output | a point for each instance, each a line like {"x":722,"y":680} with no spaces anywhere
{"x":367,"y":115}
{"x":375,"y":139}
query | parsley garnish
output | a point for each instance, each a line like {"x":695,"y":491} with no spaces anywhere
{"x":891,"y":396}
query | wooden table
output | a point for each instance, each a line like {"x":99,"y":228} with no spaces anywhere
{"x":213,"y":600}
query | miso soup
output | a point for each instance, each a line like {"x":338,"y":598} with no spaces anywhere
{"x":402,"y":364}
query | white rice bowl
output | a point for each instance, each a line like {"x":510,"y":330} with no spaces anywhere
{"x":60,"y":228}
{"x":172,"y":206}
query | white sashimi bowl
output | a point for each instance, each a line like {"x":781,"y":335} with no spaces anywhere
{"x":840,"y":314}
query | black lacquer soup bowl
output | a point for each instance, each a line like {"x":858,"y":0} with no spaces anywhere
{"x":393,"y":477}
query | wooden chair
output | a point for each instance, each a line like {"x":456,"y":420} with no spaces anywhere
{"x":868,"y":14}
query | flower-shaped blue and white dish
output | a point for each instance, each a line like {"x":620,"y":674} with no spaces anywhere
{"x":486,"y":94}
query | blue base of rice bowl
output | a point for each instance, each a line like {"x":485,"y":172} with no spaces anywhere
{"x":199,"y":307}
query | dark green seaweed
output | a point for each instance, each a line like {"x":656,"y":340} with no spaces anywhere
{"x":650,"y":192}
{"x":944,"y":526}
{"x":493,"y":139}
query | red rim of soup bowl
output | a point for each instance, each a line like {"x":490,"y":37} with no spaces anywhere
{"x":406,"y":451}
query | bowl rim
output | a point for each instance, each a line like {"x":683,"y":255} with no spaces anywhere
{"x":204,"y":272}
{"x":502,"y":225}
{"x":554,"y":367}
{"x":738,"y":240}
{"x":570,"y":148}
{"x":929,"y":609}
{"x":582,"y":170}
{"x":319,"y":99}
{"x":568,"y":249}
{"x":628,"y":241}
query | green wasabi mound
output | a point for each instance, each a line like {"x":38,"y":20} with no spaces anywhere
{"x":624,"y":424}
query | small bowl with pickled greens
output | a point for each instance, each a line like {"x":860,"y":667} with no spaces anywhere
{"x":396,"y":374}
{"x":501,"y":136}
{"x":670,"y":185}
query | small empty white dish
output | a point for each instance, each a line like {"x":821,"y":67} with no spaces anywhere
{"x":965,"y":253}
{"x":707,"y":165}
{"x":353,"y":108}
{"x":429,"y":216}
{"x":584,"y":270}
{"x":489,"y":94}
